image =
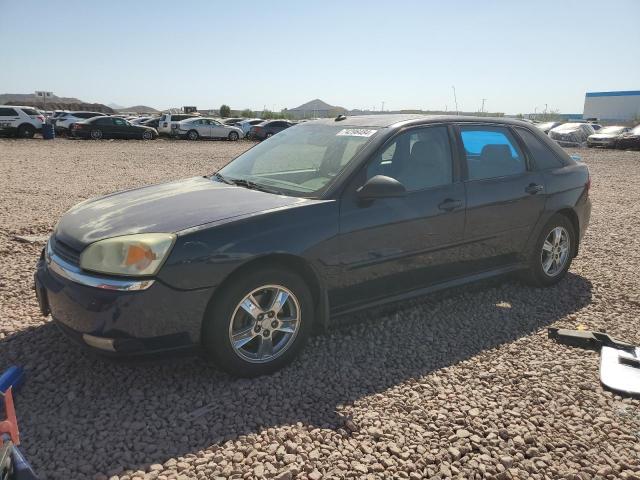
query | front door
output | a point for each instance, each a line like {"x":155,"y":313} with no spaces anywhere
{"x":505,"y":196}
{"x":218,"y":130}
{"x":121,"y":128}
{"x":392,"y":245}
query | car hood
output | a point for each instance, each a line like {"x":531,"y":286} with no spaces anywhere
{"x":168,"y":207}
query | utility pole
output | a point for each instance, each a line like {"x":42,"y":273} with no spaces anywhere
{"x":382,"y":107}
{"x":482,"y":109}
{"x":455,"y":99}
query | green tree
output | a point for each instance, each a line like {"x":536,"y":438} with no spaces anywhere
{"x":246,"y":113}
{"x":225,"y":111}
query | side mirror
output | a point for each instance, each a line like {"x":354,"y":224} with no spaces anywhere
{"x":381,"y":186}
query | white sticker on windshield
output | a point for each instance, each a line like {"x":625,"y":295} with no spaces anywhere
{"x":355,"y":132}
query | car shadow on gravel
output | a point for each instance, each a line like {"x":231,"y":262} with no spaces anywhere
{"x":81,"y":414}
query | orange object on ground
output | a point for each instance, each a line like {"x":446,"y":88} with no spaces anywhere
{"x":10,"y":423}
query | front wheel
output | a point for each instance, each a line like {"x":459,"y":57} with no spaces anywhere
{"x":96,"y":134}
{"x":233,"y":136}
{"x":259,"y":322}
{"x":553,"y":253}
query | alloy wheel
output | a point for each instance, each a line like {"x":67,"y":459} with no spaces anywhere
{"x":264,"y":324}
{"x":96,"y":134}
{"x":555,"y":251}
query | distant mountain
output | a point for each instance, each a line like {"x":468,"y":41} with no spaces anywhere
{"x":115,"y":106}
{"x":53,"y":102}
{"x":138,"y":109}
{"x":31,"y":97}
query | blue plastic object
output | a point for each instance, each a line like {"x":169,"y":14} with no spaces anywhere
{"x":12,"y":377}
{"x":48,"y":132}
{"x":21,"y":468}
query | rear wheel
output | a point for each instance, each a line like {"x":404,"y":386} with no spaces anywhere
{"x":26,"y":131}
{"x":233,"y":136}
{"x":147,"y":135}
{"x":192,"y":135}
{"x":96,"y":134}
{"x":553,"y":253}
{"x":259,"y":322}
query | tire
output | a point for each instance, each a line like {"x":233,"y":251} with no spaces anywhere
{"x":26,"y":131}
{"x":233,"y":136}
{"x":192,"y":135}
{"x":226,"y":317}
{"x":548,"y":267}
{"x":147,"y":135}
{"x":95,"y":134}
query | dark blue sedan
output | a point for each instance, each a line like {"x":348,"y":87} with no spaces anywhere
{"x":325,"y":218}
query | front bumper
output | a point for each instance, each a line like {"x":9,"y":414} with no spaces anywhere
{"x":119,"y":321}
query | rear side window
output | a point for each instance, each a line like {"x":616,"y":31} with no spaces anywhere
{"x":30,"y":111}
{"x":8,"y":112}
{"x":103,"y":121}
{"x":491,"y":152}
{"x":543,"y":156}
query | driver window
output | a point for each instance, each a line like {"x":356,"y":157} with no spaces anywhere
{"x":419,"y":158}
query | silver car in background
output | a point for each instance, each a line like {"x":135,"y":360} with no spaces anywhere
{"x":195,"y":128}
{"x":607,"y":136}
{"x":571,"y":134}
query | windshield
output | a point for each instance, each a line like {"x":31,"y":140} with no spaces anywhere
{"x":301,"y":160}
{"x":611,"y":130}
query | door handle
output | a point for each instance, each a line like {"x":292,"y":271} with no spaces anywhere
{"x":449,"y":204}
{"x":533,"y":188}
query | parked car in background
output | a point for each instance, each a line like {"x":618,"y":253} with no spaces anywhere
{"x":65,"y":121}
{"x":111,"y":127}
{"x":630,"y":139}
{"x":152,"y":122}
{"x":607,"y":136}
{"x":268,"y":128}
{"x":246,"y":124}
{"x":572,"y":134}
{"x":170,"y":120}
{"x":595,"y":126}
{"x":195,"y":128}
{"x":231,"y":121}
{"x":20,"y":121}
{"x":546,"y":126}
{"x":324,"y":219}
{"x":139,"y":120}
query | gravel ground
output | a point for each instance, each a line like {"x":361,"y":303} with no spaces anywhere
{"x":464,"y":384}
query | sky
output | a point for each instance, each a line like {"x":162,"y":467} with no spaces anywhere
{"x":518,"y":55}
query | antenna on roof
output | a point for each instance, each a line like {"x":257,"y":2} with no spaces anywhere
{"x":340,"y":117}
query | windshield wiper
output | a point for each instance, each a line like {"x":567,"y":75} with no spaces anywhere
{"x":241,"y":182}
{"x":222,"y":178}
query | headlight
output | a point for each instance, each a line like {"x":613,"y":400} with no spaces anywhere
{"x":134,"y":255}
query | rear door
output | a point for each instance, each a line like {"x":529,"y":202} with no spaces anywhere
{"x":390,"y":246}
{"x":505,"y":196}
{"x":8,"y":118}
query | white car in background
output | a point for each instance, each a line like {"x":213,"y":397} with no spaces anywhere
{"x":571,"y":134}
{"x":195,"y":128}
{"x":169,"y":121}
{"x":246,"y":124}
{"x":65,"y":121}
{"x":23,"y":122}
